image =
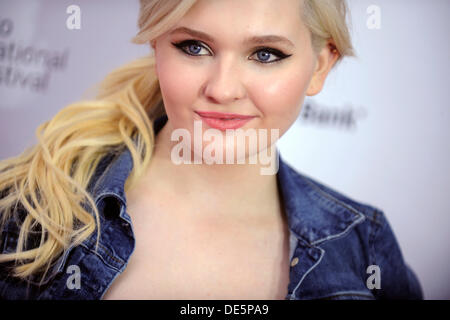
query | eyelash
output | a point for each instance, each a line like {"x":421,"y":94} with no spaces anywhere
{"x":182,"y":44}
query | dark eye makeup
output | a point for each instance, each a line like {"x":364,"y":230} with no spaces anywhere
{"x":185,"y":46}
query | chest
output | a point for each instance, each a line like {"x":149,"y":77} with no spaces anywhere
{"x":176,"y":258}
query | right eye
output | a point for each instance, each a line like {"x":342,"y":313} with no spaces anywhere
{"x":190,"y":47}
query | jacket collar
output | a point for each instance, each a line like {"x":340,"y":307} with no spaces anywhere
{"x":315,"y":212}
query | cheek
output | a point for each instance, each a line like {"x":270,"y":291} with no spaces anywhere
{"x":179,"y":83}
{"x":280,"y":97}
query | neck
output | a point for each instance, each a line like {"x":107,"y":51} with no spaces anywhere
{"x":230,"y":189}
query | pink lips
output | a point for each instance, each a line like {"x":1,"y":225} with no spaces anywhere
{"x":223,"y":121}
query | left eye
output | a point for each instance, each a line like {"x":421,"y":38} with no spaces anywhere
{"x":264,"y":56}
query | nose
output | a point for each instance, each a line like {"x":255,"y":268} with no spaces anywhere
{"x":224,"y":84}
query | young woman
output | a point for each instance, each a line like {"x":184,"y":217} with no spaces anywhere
{"x":111,"y":204}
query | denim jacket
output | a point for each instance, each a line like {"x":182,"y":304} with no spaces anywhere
{"x":339,"y":248}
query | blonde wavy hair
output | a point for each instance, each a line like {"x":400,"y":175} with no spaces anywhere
{"x":49,"y":180}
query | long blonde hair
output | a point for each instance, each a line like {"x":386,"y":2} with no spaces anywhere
{"x":49,"y":180}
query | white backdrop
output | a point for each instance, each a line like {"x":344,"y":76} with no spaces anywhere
{"x":378,"y":131}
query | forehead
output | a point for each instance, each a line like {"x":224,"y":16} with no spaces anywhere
{"x":246,"y":17}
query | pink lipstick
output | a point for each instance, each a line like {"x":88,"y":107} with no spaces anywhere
{"x":223,"y":121}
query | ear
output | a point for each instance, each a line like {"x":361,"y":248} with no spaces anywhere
{"x":324,"y":62}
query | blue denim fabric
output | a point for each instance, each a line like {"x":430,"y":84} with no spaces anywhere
{"x":334,"y":238}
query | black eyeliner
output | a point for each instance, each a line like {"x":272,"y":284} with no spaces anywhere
{"x":276,"y":52}
{"x":181,"y":44}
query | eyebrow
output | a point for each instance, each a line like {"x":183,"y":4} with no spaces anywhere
{"x":251,"y":40}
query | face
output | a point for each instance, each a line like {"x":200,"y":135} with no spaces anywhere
{"x":224,"y":68}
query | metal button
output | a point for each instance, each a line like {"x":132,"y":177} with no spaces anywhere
{"x":294,"y":261}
